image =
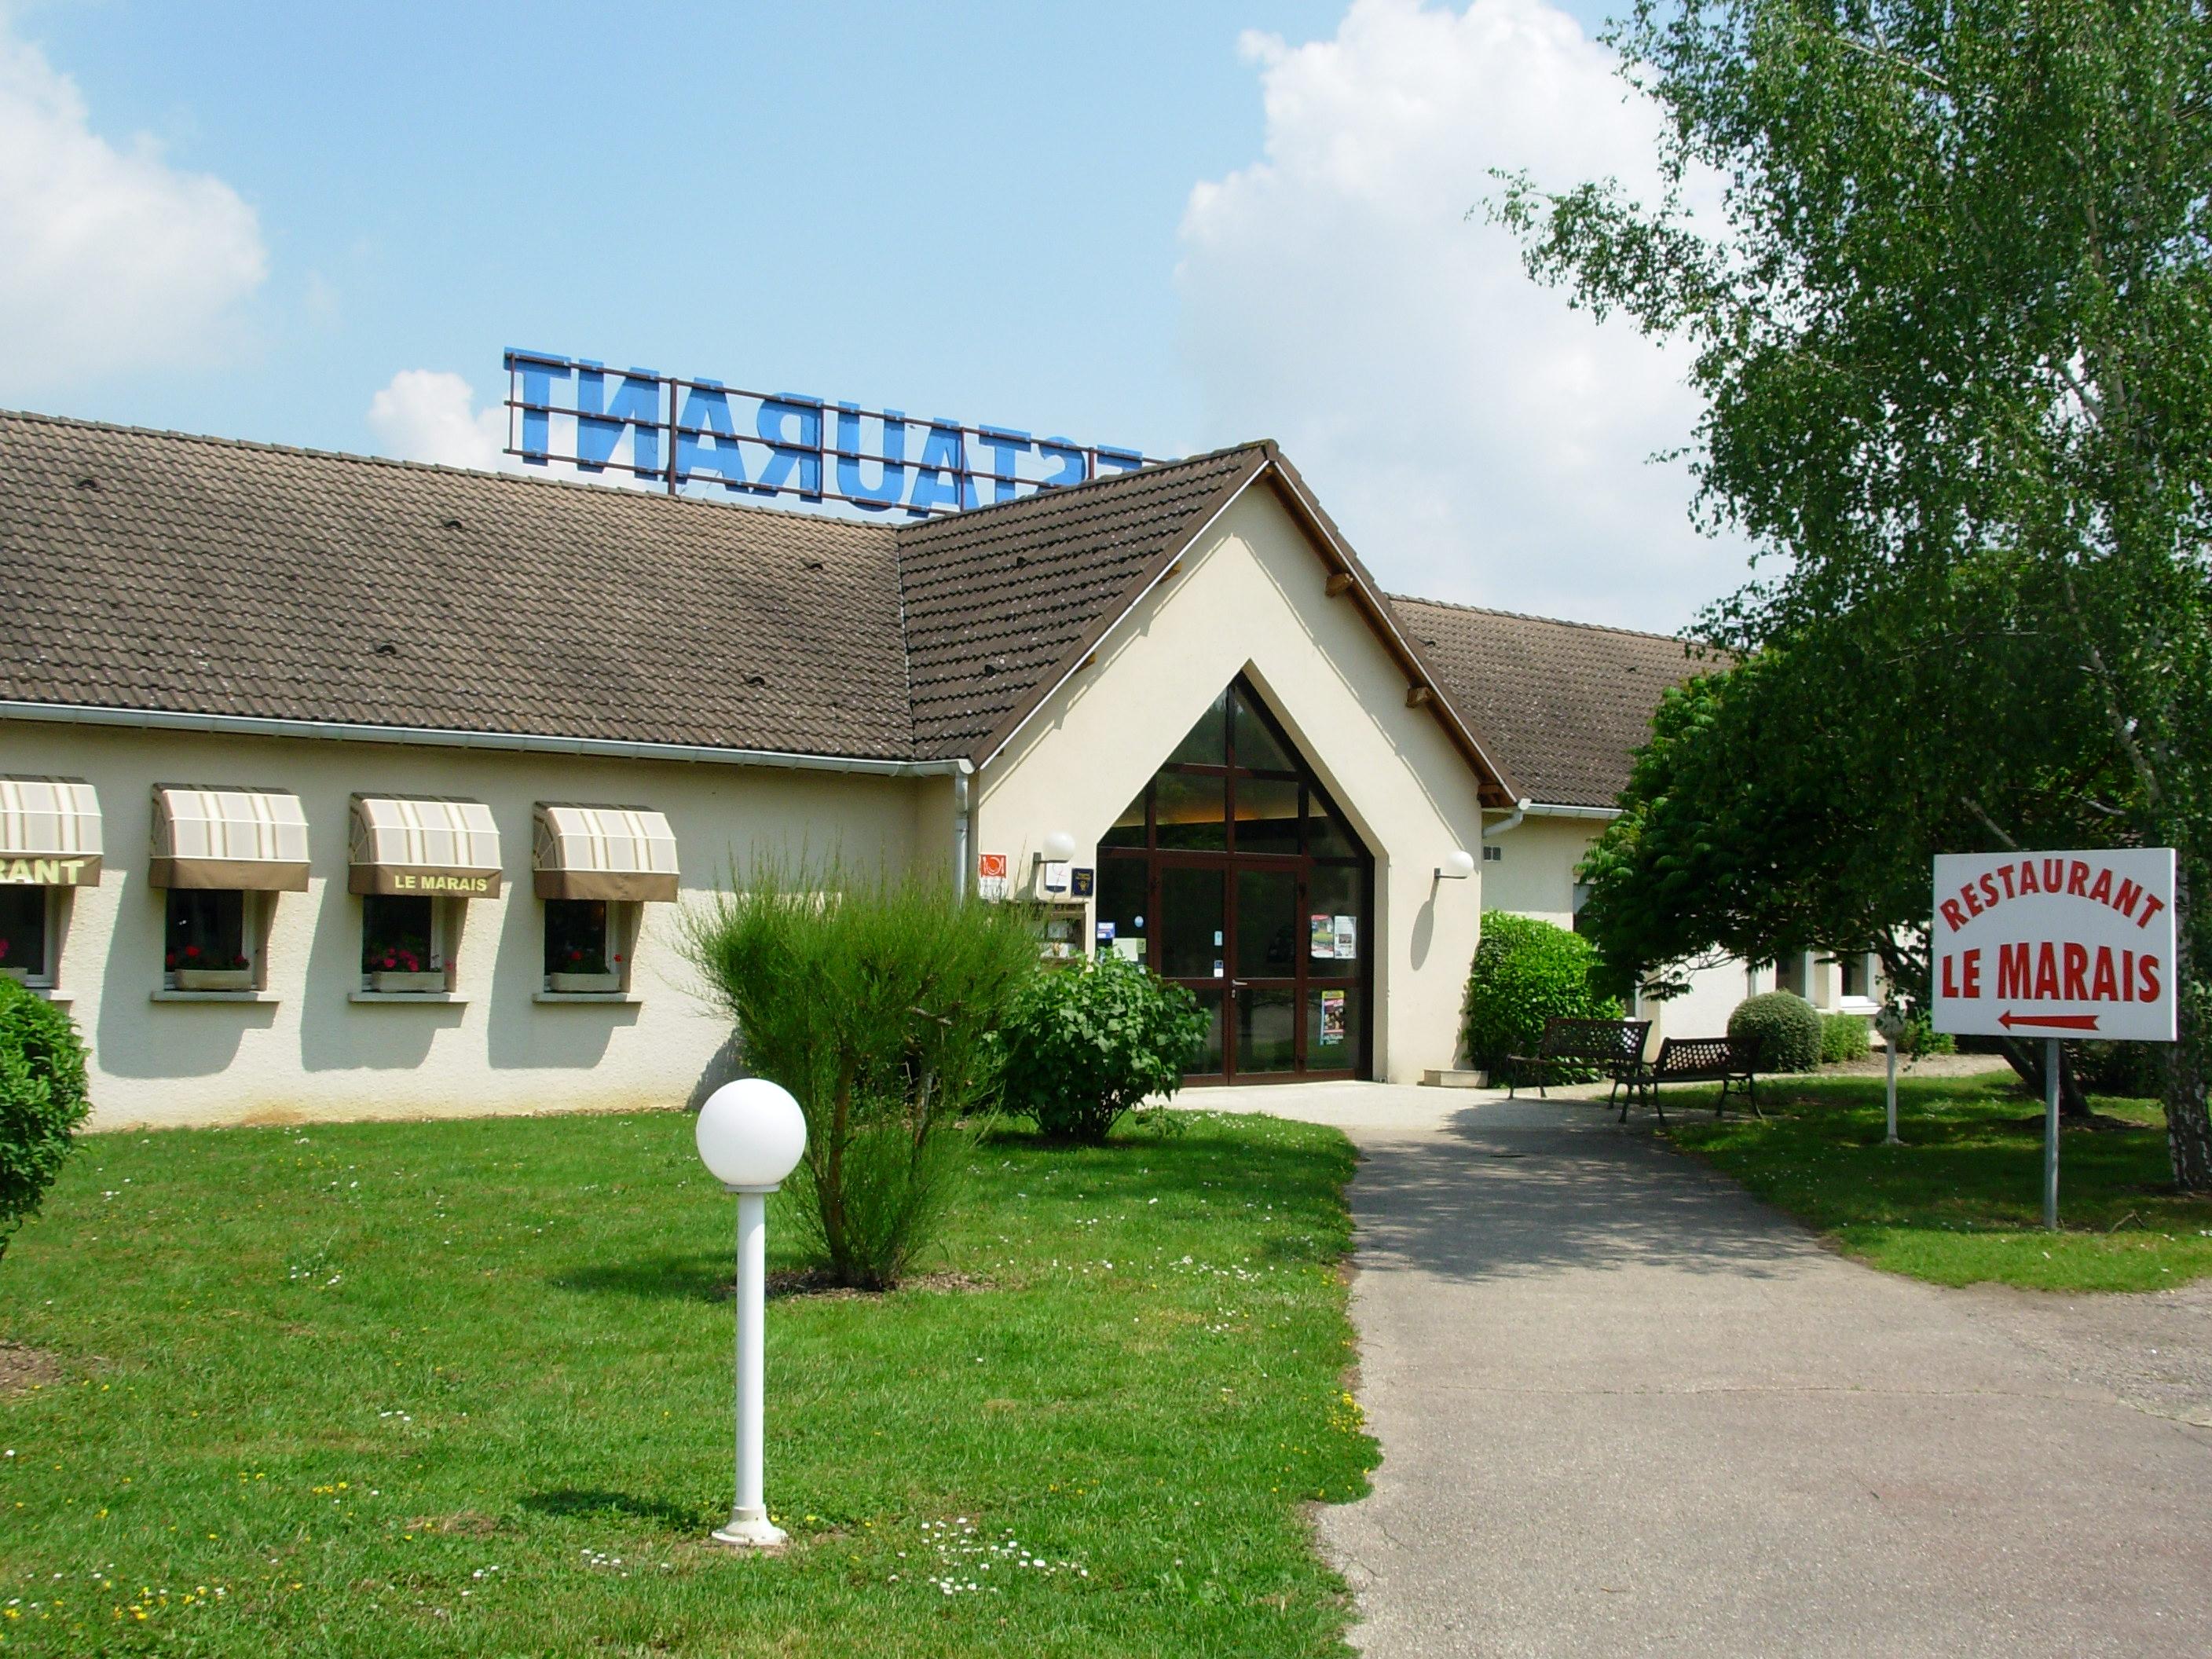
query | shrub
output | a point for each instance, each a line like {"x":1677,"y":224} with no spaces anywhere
{"x":1844,"y":1037}
{"x":1921,"y":1037}
{"x":42,"y":1100}
{"x":1085,"y":1044}
{"x":2132,"y":1071}
{"x":875,"y":1003}
{"x":1526,"y":972}
{"x":1785,"y":1030}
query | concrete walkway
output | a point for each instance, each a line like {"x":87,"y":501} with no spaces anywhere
{"x":1625,"y":1409}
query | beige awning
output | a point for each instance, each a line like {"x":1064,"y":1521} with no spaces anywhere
{"x":248,"y":838}
{"x":603,"y":853}
{"x":49,"y":833}
{"x":427,"y":845}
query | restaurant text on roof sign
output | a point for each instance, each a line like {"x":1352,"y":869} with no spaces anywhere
{"x":2055,"y":944}
{"x":678,"y":432}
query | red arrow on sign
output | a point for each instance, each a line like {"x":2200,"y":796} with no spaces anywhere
{"x":2064,"y":1022}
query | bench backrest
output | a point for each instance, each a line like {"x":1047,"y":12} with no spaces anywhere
{"x":1704,"y":1054}
{"x":1605,"y":1039}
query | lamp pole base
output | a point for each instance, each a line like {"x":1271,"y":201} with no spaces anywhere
{"x":749,"y":1529}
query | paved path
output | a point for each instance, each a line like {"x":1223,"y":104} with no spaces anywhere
{"x":1625,"y":1409}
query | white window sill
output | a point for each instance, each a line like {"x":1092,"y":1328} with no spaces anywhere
{"x":47,"y":994}
{"x":585,"y":996}
{"x":405,"y":996}
{"x":216,"y":996}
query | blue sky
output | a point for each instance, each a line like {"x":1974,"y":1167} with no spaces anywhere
{"x":1062,"y":218}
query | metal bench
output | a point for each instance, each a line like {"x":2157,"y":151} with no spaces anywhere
{"x":1612,"y":1048}
{"x":1725,"y":1061}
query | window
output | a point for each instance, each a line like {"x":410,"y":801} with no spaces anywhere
{"x":584,"y":945}
{"x":404,"y":943}
{"x":204,"y":944}
{"x":1493,"y":855}
{"x":23,"y":933}
{"x":1582,"y":894}
{"x":1232,"y":871}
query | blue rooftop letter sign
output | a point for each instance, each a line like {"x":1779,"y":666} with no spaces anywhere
{"x":677,"y":432}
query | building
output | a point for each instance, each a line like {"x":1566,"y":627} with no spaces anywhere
{"x":1563,"y":705}
{"x":340,"y":786}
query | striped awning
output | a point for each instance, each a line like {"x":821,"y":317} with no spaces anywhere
{"x":247,"y":838}
{"x":427,"y":845}
{"x":49,"y":832}
{"x":603,"y":853}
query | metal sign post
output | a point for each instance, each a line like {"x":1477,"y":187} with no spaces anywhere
{"x":2050,"y":1133}
{"x":2052,"y":945}
{"x":1890,"y":1022}
{"x":1891,"y":1139}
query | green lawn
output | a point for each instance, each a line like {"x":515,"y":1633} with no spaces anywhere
{"x":465,"y":1388}
{"x":1961,"y":1201}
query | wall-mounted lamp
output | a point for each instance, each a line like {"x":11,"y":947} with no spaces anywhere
{"x":1458,"y":866}
{"x":1059,"y":846}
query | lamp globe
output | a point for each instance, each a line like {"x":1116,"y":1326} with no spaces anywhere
{"x":751,"y":1134}
{"x":1458,"y":865}
{"x":1058,"y":847}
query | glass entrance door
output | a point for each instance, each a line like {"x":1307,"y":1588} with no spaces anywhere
{"x":1233,"y":874}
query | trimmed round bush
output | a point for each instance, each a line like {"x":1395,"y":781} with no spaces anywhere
{"x":42,"y":1100}
{"x":1526,"y":972}
{"x":1783,"y":1028}
{"x":1844,"y":1037}
{"x":1085,"y":1044}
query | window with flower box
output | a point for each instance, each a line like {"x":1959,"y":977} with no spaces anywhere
{"x":406,"y":944}
{"x":587,"y":944}
{"x":204,"y":947}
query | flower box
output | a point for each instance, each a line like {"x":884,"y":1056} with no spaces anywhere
{"x":399,"y":978}
{"x":583,"y":982}
{"x":215,"y":979}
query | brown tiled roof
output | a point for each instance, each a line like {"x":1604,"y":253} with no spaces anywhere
{"x":1000,"y":600}
{"x":158,"y":570}
{"x":155,"y":570}
{"x":1561,"y":706}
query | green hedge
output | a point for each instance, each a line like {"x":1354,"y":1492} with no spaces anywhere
{"x":1784,"y":1027}
{"x":42,"y":1100}
{"x":1844,"y":1037}
{"x":1526,"y":972}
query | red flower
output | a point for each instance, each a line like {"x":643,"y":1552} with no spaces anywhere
{"x":191,"y":950}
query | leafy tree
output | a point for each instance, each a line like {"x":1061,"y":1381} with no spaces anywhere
{"x":1792,"y":803}
{"x":1952,"y":322}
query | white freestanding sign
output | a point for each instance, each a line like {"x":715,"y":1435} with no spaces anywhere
{"x":2055,"y":944}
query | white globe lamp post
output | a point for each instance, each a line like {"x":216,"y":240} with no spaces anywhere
{"x":751,"y":1134}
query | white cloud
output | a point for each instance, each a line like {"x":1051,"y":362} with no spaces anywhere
{"x":429,"y":415}
{"x":113,"y":259}
{"x":1476,"y":439}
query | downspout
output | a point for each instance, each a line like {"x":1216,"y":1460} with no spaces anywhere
{"x":962,"y":813}
{"x":1492,"y":831}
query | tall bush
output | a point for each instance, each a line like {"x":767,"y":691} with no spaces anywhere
{"x":874,"y":1001}
{"x":1784,"y":1030}
{"x":42,"y":1100}
{"x":1526,"y":972}
{"x":1084,"y":1045}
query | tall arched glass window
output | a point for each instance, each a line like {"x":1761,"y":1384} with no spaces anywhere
{"x":1233,"y":873}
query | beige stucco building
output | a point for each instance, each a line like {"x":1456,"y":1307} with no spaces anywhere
{"x":344,"y":788}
